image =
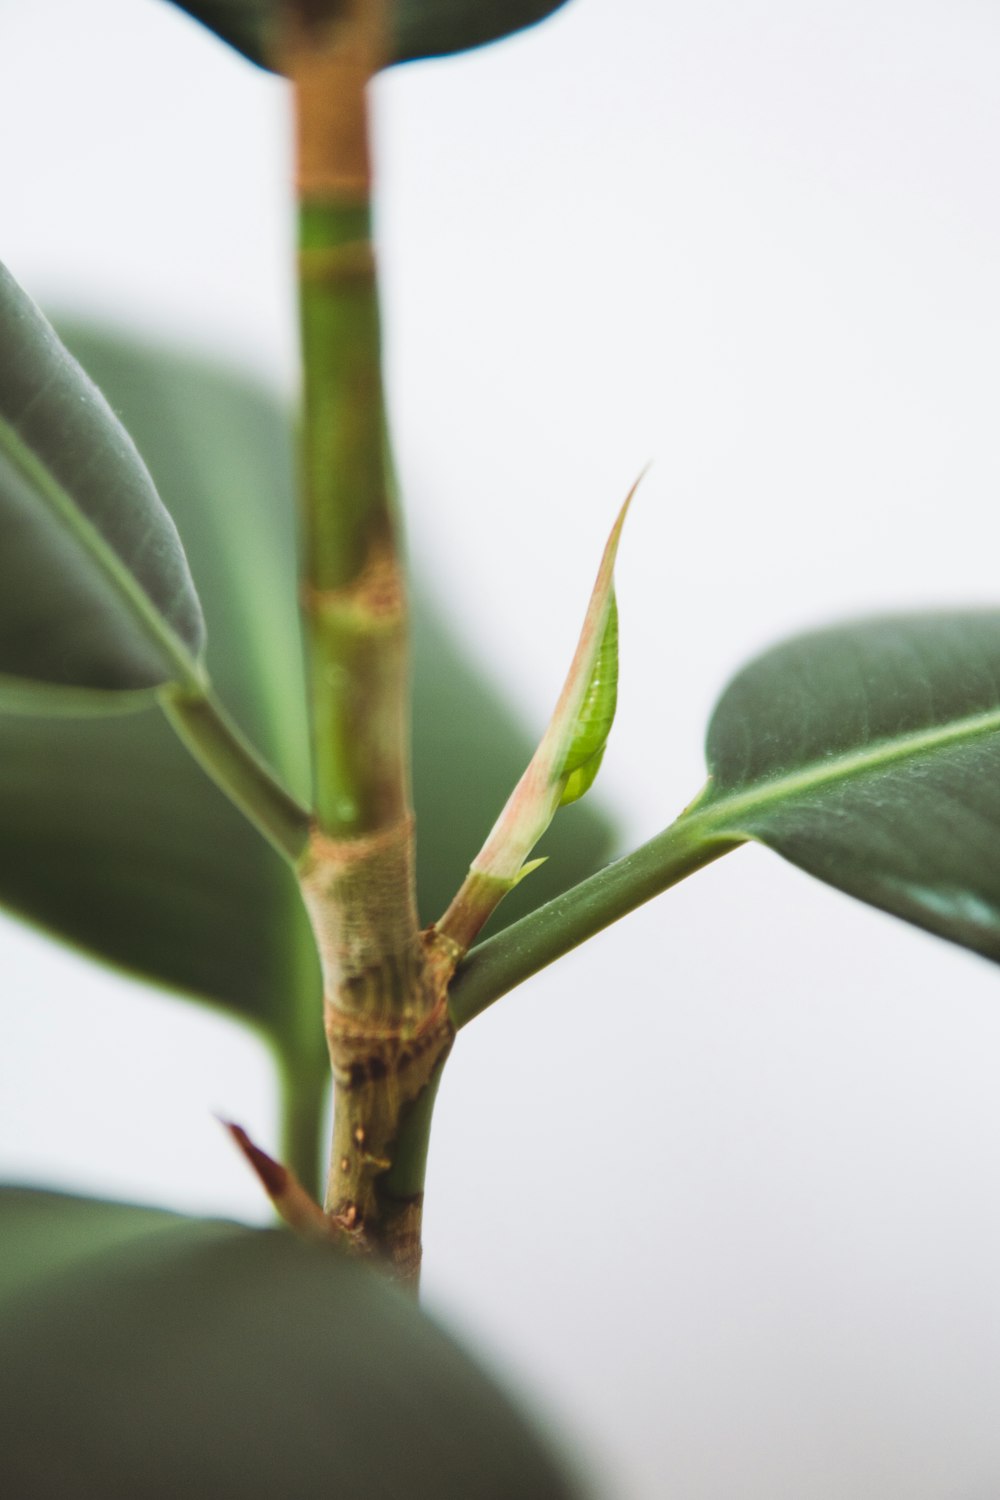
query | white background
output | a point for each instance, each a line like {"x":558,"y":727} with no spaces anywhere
{"x":719,"y":1191}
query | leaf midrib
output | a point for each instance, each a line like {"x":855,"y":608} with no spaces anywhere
{"x":104,"y":557}
{"x":719,"y":810}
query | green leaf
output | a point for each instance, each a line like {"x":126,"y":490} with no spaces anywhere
{"x":434,"y":28}
{"x":596,"y":716}
{"x":110,"y":835}
{"x":869,"y":755}
{"x":94,"y":586}
{"x":569,"y":753}
{"x":468,"y":750}
{"x":244,"y":24}
{"x":420,"y":28}
{"x":147,"y":1354}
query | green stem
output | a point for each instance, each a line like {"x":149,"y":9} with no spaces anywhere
{"x":496,"y":966}
{"x":353,"y":595}
{"x":227,"y":756}
{"x":386,"y":1023}
{"x":303,"y":1118}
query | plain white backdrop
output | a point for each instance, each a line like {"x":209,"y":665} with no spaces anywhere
{"x":719,"y":1192}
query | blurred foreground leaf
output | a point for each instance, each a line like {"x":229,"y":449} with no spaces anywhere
{"x":94,"y":587}
{"x":420,"y":28}
{"x":147,"y":1354}
{"x":869,"y":755}
{"x":111,"y":837}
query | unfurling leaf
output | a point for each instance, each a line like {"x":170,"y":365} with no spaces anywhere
{"x":593,"y":725}
{"x":95,"y":591}
{"x":562,"y":768}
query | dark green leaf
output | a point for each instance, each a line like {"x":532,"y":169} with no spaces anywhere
{"x":869,"y":755}
{"x":244,"y":24}
{"x":150,"y":1355}
{"x":434,"y":28}
{"x":111,"y":837}
{"x":420,"y":28}
{"x":94,"y":587}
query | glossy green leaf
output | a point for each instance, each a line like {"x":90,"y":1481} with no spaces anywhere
{"x":95,"y":590}
{"x":149,"y":1355}
{"x":869,"y":755}
{"x":110,"y":835}
{"x":420,"y":28}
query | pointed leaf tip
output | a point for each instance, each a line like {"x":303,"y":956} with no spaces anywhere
{"x":563,"y":767}
{"x":272,"y":1175}
{"x":291,"y":1201}
{"x":570,"y":752}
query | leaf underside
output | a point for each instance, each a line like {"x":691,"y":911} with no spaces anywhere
{"x":869,"y":755}
{"x":147,"y":1354}
{"x":95,"y":590}
{"x":112,"y":838}
{"x":419,"y":28}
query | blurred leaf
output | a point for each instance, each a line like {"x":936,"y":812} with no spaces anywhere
{"x":165,"y":1357}
{"x":869,"y":755}
{"x":421,"y":28}
{"x":244,"y":24}
{"x":110,"y":835}
{"x":434,"y":28}
{"x":94,"y":587}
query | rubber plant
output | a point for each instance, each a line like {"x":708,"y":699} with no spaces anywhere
{"x":278,"y":859}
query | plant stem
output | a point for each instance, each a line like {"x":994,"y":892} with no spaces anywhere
{"x":353,"y":592}
{"x":496,"y":966}
{"x":386,"y":1021}
{"x":227,"y":756}
{"x":303,"y":1106}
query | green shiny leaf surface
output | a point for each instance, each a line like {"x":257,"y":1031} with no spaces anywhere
{"x":147,"y":1354}
{"x":869,"y":755}
{"x":95,"y":590}
{"x":420,"y":28}
{"x":110,"y":835}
